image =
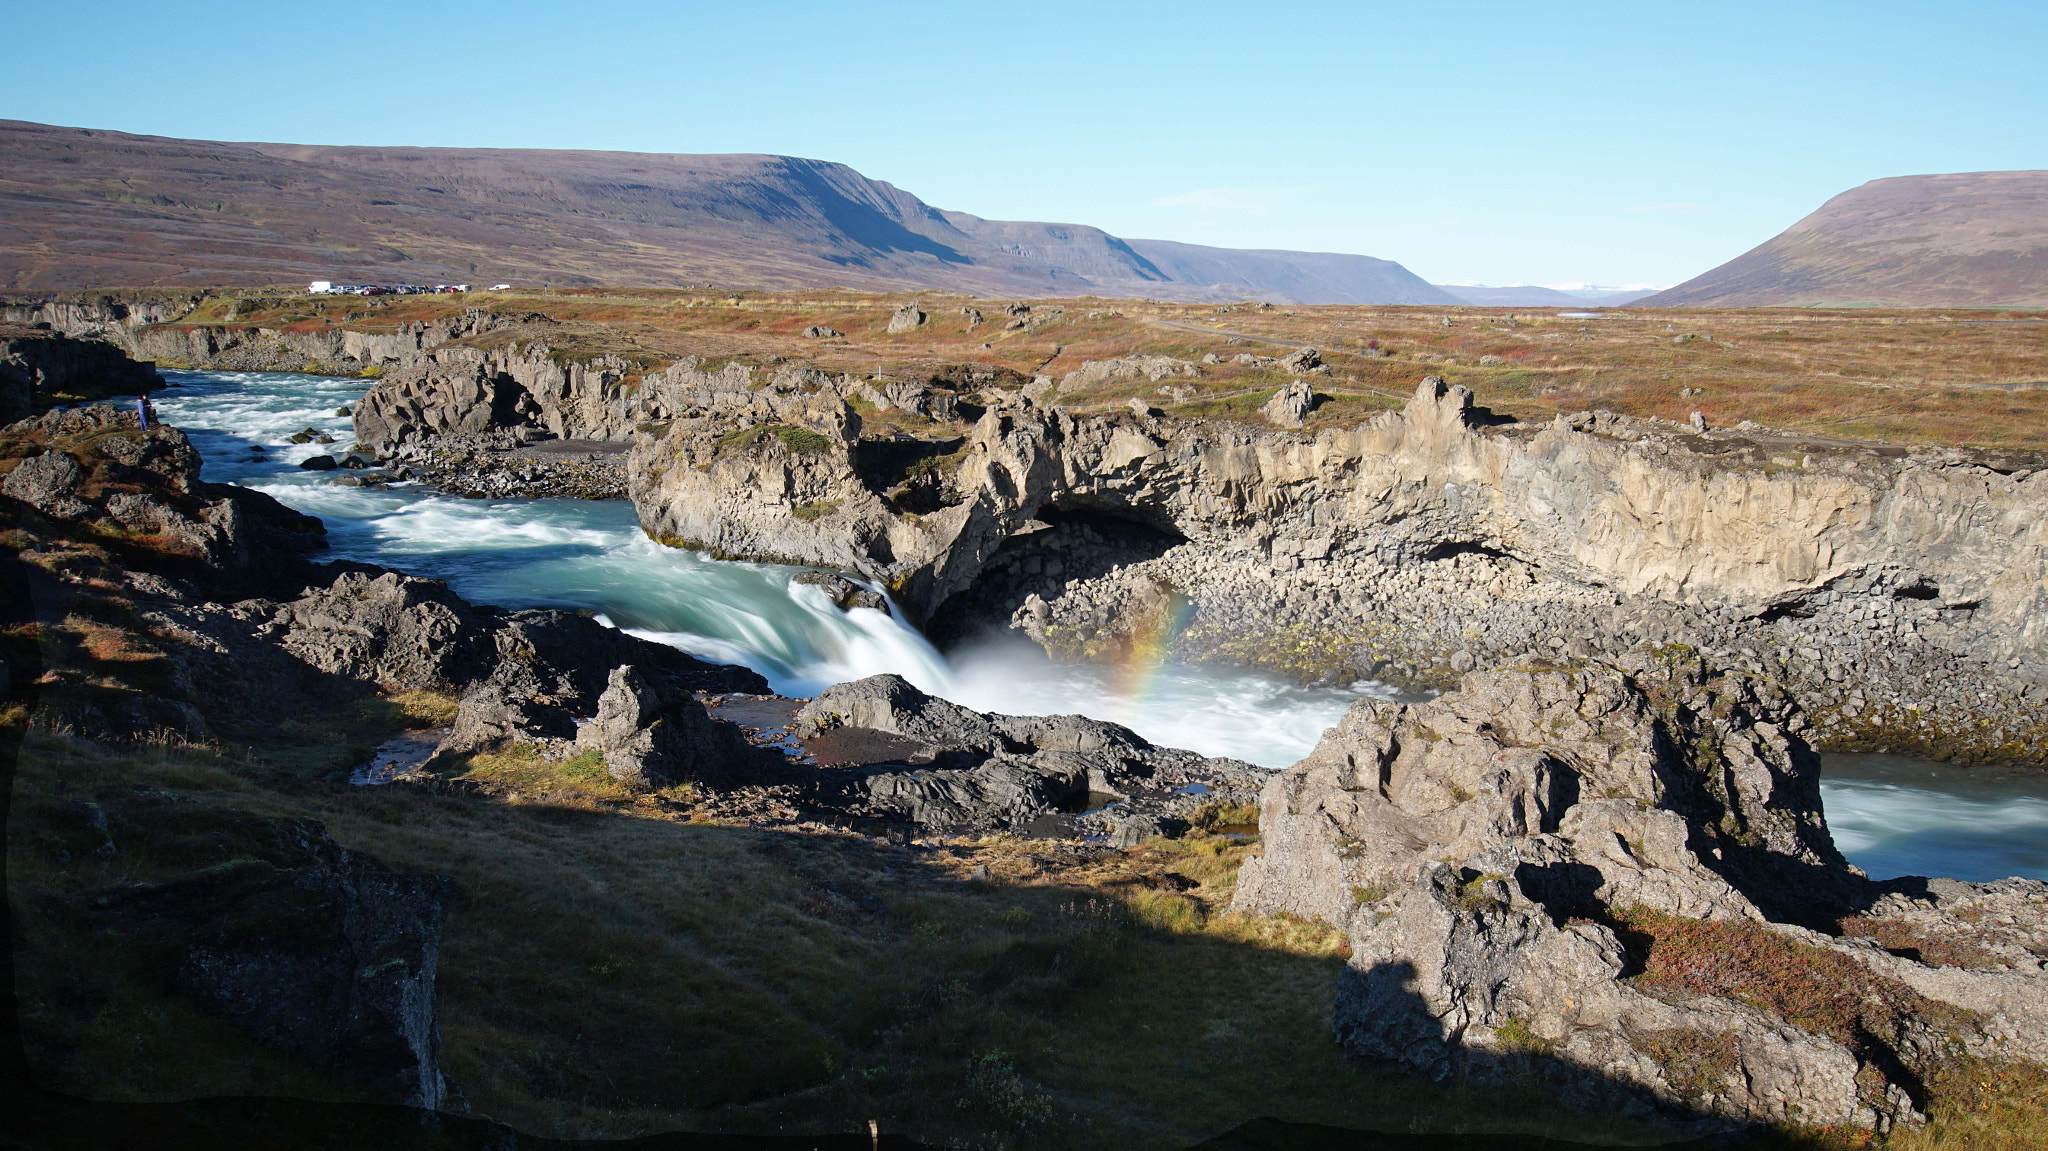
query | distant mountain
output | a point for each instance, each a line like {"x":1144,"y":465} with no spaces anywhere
{"x":1300,"y":277}
{"x":1973,"y":239}
{"x":1531,"y":296}
{"x":82,"y":207}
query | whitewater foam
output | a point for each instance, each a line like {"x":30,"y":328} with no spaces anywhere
{"x":592,"y":556}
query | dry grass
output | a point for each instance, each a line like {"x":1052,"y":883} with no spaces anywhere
{"x":619,"y":966}
{"x":1982,"y":1106}
{"x":1910,"y":377}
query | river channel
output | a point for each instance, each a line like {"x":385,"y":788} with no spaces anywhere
{"x":1890,"y":816}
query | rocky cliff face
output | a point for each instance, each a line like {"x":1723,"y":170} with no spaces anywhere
{"x":40,"y":367}
{"x":101,"y":317}
{"x":1877,"y":583}
{"x":308,"y":947}
{"x":1900,"y":595}
{"x":146,"y":327}
{"x":1592,"y":871}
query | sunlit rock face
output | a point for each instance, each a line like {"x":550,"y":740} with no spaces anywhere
{"x":1899,"y":596}
{"x":1612,"y":875}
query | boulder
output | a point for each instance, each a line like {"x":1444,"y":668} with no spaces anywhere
{"x":820,"y":332}
{"x":907,"y":318}
{"x":48,"y":483}
{"x":1304,"y":361}
{"x":1290,"y":405}
{"x":844,"y":593}
{"x":492,"y":714}
{"x":397,"y":631}
{"x":319,"y":464}
{"x":975,"y":770}
{"x":653,"y":733}
{"x":1509,"y":860}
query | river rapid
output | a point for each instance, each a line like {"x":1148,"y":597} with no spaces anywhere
{"x":1890,"y":816}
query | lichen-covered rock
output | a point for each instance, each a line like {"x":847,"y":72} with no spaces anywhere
{"x":399,"y":631}
{"x":49,"y":484}
{"x":1453,"y":975}
{"x":1141,"y":367}
{"x":1613,"y":872}
{"x":1290,"y":405}
{"x":97,"y":469}
{"x":1655,"y":767}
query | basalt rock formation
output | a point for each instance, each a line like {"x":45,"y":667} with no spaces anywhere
{"x":307,"y":946}
{"x":238,"y":620}
{"x":39,"y":367}
{"x":1609,"y":874}
{"x":96,"y":469}
{"x":963,"y":769}
{"x":1898,"y":594}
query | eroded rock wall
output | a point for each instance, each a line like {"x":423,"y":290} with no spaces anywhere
{"x":1619,"y":876}
{"x":1899,"y":594}
{"x":39,"y":367}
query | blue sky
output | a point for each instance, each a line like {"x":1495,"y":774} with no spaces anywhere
{"x":1492,"y":143}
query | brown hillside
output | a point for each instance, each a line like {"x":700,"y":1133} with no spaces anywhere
{"x":1972,"y":239}
{"x":80,"y":208}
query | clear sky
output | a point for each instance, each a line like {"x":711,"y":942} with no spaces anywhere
{"x":1611,"y":144}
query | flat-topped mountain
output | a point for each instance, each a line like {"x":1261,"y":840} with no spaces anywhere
{"x":1535,"y":296}
{"x":81,"y":207}
{"x":1971,"y":239}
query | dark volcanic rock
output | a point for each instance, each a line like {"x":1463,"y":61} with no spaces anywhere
{"x":1003,"y":770}
{"x":844,"y":593}
{"x":398,"y":631}
{"x":39,"y":367}
{"x":96,"y":469}
{"x":653,"y":733}
{"x":320,"y":951}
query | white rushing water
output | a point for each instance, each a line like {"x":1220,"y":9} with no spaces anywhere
{"x":592,"y":556}
{"x":1892,"y":817}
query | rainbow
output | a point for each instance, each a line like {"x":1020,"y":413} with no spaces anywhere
{"x":1137,"y":664}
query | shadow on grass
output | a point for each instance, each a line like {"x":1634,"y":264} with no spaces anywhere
{"x":606,"y":971}
{"x":44,"y":1120}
